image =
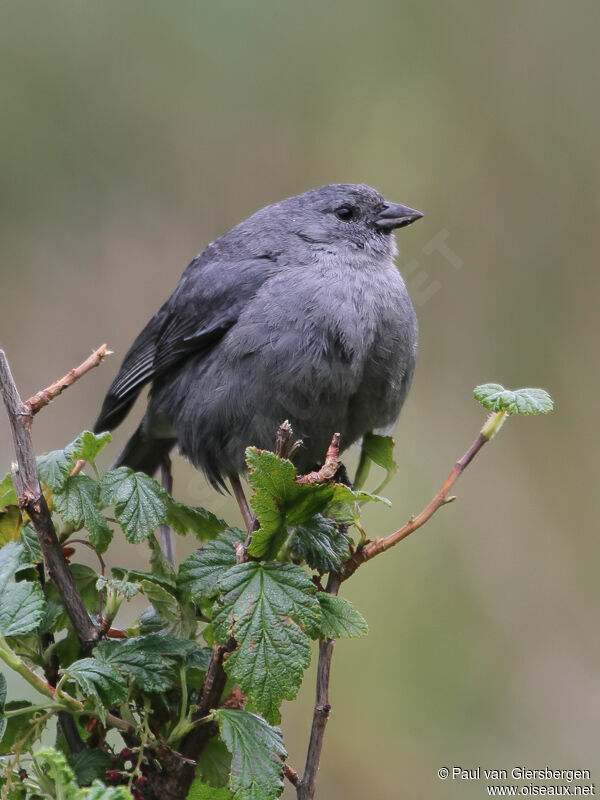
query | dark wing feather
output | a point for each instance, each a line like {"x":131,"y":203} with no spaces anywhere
{"x":204,"y":306}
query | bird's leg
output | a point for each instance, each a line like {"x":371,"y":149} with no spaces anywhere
{"x":238,"y":491}
{"x":166,"y":534}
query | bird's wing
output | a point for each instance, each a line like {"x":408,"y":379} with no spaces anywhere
{"x":204,"y":306}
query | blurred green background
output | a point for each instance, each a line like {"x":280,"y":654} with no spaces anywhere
{"x":134,"y":133}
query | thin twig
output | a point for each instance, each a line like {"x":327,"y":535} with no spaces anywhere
{"x":441,"y":499}
{"x":45,"y":396}
{"x":291,"y":774}
{"x":329,"y":468}
{"x":32,"y":501}
{"x":166,"y":534}
{"x":210,"y":694}
{"x":305,"y":788}
{"x":239,"y":495}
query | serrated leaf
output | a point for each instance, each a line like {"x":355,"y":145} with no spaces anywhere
{"x":269,"y":609}
{"x":164,"y":602}
{"x":495,"y":397}
{"x":58,"y":773}
{"x":202,"y":523}
{"x":380,"y":451}
{"x":13,"y":558}
{"x":55,"y":467}
{"x":8,"y":496}
{"x":340,"y":619}
{"x":159,"y":564}
{"x":98,"y":679}
{"x":199,"y":573}
{"x":320,"y":543}
{"x":11,"y":523}
{"x":202,"y":791}
{"x":149,"y":660}
{"x":98,"y":791}
{"x":257,"y":751}
{"x":53,"y":612}
{"x":140,"y":502}
{"x":31,"y":542}
{"x":137,"y":576}
{"x":346,"y":504}
{"x":88,"y":765}
{"x":126,"y":589}
{"x":77,"y":503}
{"x":215,"y":763}
{"x":87,"y":445}
{"x":279,"y":501}
{"x":22,"y":606}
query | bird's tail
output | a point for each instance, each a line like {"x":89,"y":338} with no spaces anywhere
{"x":144,"y":453}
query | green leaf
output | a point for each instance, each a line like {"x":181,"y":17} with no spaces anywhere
{"x":320,"y":543}
{"x":98,"y":791}
{"x":340,"y":619}
{"x":345,"y":504}
{"x":214,"y":765}
{"x":279,"y":501}
{"x":257,"y":751}
{"x":518,"y":401}
{"x":269,"y":609}
{"x":88,"y":445}
{"x":98,"y":679}
{"x":159,"y":564}
{"x":202,"y":791}
{"x":11,"y":523}
{"x":13,"y":557}
{"x":31,"y":542}
{"x":137,"y":576}
{"x":140,"y":502}
{"x":125,"y":589}
{"x":150,"y":661}
{"x":380,"y":451}
{"x":56,"y":467}
{"x":22,"y":606}
{"x":59,"y":780}
{"x":88,"y":765}
{"x":165,"y":603}
{"x":8,"y":496}
{"x":13,"y":729}
{"x":200,"y":572}
{"x":202,"y":523}
{"x":77,"y":503}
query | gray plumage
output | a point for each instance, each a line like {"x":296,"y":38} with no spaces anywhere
{"x":297,"y":313}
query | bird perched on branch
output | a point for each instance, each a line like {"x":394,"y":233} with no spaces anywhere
{"x":297,"y":313}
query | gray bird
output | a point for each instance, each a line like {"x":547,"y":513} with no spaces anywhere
{"x":297,"y":313}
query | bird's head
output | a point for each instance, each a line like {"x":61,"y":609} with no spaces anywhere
{"x":331,"y":219}
{"x":340,"y":214}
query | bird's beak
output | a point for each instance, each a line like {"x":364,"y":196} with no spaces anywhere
{"x":393,"y":215}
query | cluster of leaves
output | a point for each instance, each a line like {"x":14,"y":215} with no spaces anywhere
{"x":265,"y":607}
{"x":150,"y":674}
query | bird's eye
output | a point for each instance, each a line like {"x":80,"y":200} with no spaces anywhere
{"x":345,"y":213}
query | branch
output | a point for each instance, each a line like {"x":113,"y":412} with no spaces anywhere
{"x":45,"y":396}
{"x":305,"y":788}
{"x":32,"y":501}
{"x":441,"y":499}
{"x":211,"y":692}
{"x":166,"y":534}
{"x":329,"y":468}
